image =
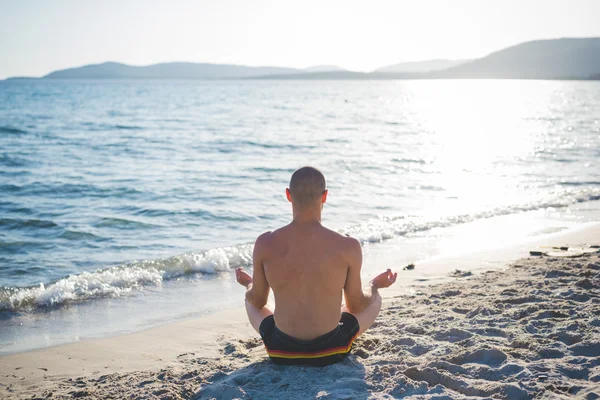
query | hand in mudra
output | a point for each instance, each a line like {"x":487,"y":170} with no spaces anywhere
{"x":385,"y":279}
{"x":243,"y":277}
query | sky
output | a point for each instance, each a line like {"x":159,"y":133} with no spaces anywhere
{"x":40,"y":36}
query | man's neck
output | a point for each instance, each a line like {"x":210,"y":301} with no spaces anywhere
{"x":308,"y":216}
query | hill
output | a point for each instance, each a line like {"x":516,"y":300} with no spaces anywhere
{"x":539,"y":59}
{"x":567,"y":58}
{"x":174,"y":70}
{"x":420,"y":66}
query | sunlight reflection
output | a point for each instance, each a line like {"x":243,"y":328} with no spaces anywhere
{"x":472,"y":129}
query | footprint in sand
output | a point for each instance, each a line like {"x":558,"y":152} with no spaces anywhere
{"x":404,"y":342}
{"x":574,"y":372}
{"x":490,"y":357}
{"x":587,"y":349}
{"x":251,"y":343}
{"x":452,"y":335}
{"x":567,"y":338}
{"x":550,"y":353}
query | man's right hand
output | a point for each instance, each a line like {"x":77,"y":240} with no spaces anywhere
{"x":385,"y":279}
{"x":243,"y":277}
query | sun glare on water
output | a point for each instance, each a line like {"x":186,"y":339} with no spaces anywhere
{"x":476,"y":131}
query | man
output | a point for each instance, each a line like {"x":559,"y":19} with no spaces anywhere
{"x":308,"y":267}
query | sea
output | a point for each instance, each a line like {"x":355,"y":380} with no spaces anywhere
{"x":127,"y":204}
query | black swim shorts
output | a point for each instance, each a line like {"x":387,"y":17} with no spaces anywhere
{"x":324,"y":350}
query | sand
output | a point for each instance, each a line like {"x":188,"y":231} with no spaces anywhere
{"x":530,"y":329}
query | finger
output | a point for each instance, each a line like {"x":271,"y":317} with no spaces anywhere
{"x":395,"y":276}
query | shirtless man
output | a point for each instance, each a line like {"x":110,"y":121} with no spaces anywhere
{"x":308,"y":267}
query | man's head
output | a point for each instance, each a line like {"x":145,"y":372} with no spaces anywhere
{"x":307,"y":188}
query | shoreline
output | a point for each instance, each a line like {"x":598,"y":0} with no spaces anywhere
{"x":437,"y":254}
{"x":216,"y":338}
{"x":436,"y":251}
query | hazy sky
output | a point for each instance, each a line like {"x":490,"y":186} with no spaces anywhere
{"x":37,"y":37}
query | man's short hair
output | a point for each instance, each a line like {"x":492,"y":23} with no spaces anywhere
{"x":307,"y":185}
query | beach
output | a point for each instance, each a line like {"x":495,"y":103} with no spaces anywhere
{"x":525,"y":328}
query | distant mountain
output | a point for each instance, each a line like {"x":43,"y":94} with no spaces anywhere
{"x":421,"y":66}
{"x":326,"y":75}
{"x":324,"y":68}
{"x":174,"y":70}
{"x":539,"y":59}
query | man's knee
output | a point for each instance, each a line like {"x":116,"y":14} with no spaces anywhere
{"x":367,"y":317}
{"x":256,"y":316}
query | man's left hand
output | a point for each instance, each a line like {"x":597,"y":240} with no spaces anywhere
{"x":243,"y":277}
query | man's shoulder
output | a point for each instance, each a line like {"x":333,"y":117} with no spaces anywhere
{"x":264,"y":238}
{"x":346,"y":241}
{"x":270,"y":238}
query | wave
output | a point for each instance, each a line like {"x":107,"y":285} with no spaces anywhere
{"x":121,"y":223}
{"x":19,"y":246}
{"x":61,"y":190}
{"x":123,"y":279}
{"x":8,"y":129}
{"x":237,"y":144}
{"x":410,"y":160}
{"x":93,"y":126}
{"x":17,"y":223}
{"x":588,"y":183}
{"x":389,"y":227}
{"x":12,"y":161}
{"x":270,"y":169}
{"x":128,"y":127}
{"x":79,"y":235}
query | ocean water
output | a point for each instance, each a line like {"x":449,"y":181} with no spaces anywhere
{"x":130,"y":195}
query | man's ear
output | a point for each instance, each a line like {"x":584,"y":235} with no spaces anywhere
{"x":324,"y":196}
{"x":288,"y":194}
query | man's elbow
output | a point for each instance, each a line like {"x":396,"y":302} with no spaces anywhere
{"x":355,"y":308}
{"x":256,"y":301}
{"x":259,"y":304}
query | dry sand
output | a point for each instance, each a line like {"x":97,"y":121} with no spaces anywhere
{"x":529,"y":330}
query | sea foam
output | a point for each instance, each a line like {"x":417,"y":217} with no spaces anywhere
{"x":389,"y":227}
{"x":123,"y":279}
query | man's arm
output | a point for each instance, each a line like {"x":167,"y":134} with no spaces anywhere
{"x":356,"y":298}
{"x":257,"y":292}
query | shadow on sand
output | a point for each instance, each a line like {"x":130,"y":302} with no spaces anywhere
{"x":344,"y":380}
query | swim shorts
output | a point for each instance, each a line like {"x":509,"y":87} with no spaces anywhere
{"x":323,"y":350}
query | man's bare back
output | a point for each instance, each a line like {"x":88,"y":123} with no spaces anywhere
{"x":306,"y":266}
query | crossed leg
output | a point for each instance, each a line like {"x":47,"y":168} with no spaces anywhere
{"x":365,"y":318}
{"x":256,"y":316}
